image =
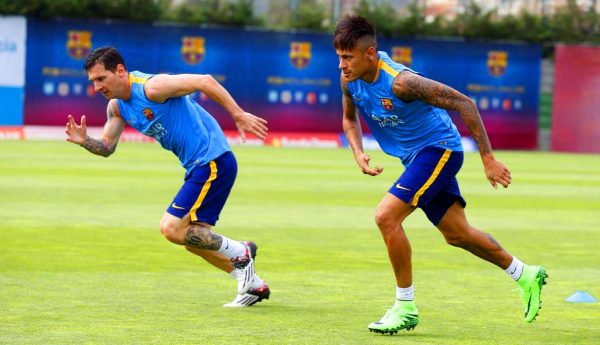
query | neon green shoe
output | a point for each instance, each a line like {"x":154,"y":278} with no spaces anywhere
{"x":531,"y":281}
{"x":403,"y":315}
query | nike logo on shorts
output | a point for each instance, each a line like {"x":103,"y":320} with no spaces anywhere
{"x":402,"y":188}
{"x":177,"y":207}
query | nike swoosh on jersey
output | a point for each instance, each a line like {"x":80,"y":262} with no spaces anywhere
{"x":177,"y":207}
{"x":402,"y":188}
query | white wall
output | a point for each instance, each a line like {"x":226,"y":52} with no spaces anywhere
{"x":13,"y":31}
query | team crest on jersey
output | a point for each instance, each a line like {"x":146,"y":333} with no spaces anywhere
{"x":402,"y":55}
{"x":79,"y":43}
{"x":192,"y":49}
{"x":300,"y":54}
{"x":148,"y":114}
{"x":497,"y":62}
{"x":387,"y":104}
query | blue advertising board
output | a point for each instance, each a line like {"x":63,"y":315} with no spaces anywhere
{"x":291,"y":79}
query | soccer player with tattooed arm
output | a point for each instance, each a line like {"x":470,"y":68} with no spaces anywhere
{"x":407,"y":115}
{"x":160,"y":106}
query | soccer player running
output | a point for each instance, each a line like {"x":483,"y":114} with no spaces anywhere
{"x":160,"y":106}
{"x":406,"y":113}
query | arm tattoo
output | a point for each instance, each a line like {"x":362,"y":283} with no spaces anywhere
{"x":102,"y":147}
{"x":98,"y":147}
{"x":200,"y":237}
{"x":409,"y":86}
{"x":472,"y":119}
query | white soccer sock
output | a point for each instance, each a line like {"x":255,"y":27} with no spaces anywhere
{"x":231,"y":248}
{"x":405,"y":294}
{"x":515,"y":269}
{"x":257,"y":282}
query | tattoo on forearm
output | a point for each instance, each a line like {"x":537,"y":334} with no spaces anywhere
{"x":200,"y":237}
{"x":98,"y":147}
{"x":101,"y":147}
{"x":472,"y":120}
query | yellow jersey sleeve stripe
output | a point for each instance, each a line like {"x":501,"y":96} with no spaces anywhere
{"x":378,"y":69}
{"x":204,"y":191}
{"x":137,"y":80}
{"x":388,"y":69}
{"x":434,"y":175}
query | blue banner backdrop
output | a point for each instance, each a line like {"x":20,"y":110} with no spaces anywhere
{"x":290,"y":79}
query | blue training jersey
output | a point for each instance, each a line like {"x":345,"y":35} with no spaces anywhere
{"x":179,"y":124}
{"x":402,"y":129}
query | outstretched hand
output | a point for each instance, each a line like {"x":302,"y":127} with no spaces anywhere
{"x":362,"y":159}
{"x":253,"y":124}
{"x":496,"y":173}
{"x":76,"y":134}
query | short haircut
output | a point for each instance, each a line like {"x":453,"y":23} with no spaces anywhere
{"x":352,"y":31}
{"x":108,"y":56}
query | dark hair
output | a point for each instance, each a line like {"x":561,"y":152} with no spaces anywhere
{"x":108,"y":56}
{"x":352,"y":30}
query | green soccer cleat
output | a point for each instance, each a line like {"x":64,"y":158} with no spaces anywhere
{"x":403,"y":315}
{"x":531,"y":281}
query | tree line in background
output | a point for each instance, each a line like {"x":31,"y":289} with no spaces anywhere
{"x":568,"y":24}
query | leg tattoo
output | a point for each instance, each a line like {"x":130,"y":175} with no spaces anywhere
{"x":493,"y":240}
{"x":200,"y":237}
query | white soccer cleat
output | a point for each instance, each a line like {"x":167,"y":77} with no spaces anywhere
{"x":243,"y":268}
{"x":252,"y":296}
{"x":242,"y":301}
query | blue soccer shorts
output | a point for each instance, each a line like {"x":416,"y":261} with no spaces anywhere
{"x":205,"y":190}
{"x":429,"y":182}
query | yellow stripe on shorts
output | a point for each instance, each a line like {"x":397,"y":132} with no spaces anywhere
{"x":431,"y":178}
{"x":204,"y":191}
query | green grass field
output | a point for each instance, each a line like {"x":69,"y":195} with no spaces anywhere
{"x":82,"y":260}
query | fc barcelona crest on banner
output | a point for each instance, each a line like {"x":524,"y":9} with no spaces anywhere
{"x":79,"y":43}
{"x":300,"y":54}
{"x":387,"y":104}
{"x":497,"y":62}
{"x":402,"y":55}
{"x":192,"y":49}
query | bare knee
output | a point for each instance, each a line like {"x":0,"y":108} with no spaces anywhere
{"x":171,"y":232}
{"x":386,"y":221}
